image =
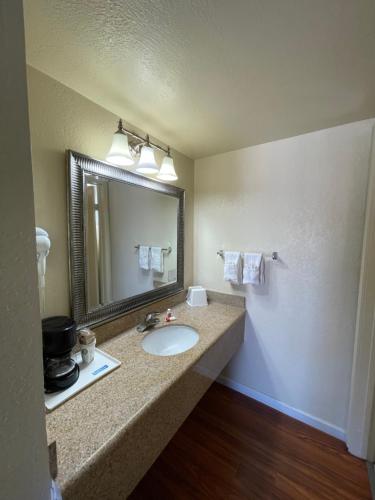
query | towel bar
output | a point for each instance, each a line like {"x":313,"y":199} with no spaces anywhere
{"x":274,"y":255}
{"x":168,"y":249}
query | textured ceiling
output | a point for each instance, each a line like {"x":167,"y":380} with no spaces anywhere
{"x":208,"y":76}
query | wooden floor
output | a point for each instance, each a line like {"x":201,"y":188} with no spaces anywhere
{"x":232,"y":447}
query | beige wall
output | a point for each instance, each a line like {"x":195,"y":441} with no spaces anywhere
{"x":23,"y":443}
{"x":62,"y":119}
{"x":305,"y":198}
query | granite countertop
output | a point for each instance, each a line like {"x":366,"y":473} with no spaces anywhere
{"x":87,"y":423}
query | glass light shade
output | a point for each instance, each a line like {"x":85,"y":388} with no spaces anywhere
{"x":167,"y":171}
{"x":147,"y":163}
{"x":120,"y":154}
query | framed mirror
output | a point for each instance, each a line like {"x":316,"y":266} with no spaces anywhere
{"x":126,"y":238}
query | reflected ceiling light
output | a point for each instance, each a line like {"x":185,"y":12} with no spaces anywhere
{"x":167,"y":171}
{"x":120,"y":154}
{"x":147,"y":163}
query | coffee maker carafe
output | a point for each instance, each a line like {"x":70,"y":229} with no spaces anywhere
{"x":59,"y":338}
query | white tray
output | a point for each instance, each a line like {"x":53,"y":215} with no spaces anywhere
{"x":102,"y":364}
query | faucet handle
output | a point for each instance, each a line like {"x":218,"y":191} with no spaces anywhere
{"x":152,"y":316}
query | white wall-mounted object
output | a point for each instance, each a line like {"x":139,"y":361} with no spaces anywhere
{"x":43,"y":245}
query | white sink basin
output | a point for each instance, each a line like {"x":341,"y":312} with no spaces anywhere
{"x":170,"y":340}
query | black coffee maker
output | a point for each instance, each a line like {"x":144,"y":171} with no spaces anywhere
{"x":59,"y":338}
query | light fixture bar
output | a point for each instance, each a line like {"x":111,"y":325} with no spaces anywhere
{"x":145,"y":140}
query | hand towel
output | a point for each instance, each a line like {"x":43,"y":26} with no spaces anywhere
{"x":144,"y":257}
{"x":253,"y":268}
{"x":233,"y":267}
{"x":157,"y":259}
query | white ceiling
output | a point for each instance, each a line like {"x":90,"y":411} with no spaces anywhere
{"x":208,"y":76}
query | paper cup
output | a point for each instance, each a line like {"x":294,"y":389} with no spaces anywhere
{"x":88,"y":352}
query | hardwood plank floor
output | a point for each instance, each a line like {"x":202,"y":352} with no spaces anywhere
{"x":232,"y":447}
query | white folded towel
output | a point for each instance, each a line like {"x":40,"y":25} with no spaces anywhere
{"x":157,"y":259}
{"x":233,"y":267}
{"x":253,"y":268}
{"x":144,"y":257}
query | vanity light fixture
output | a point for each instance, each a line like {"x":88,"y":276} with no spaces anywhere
{"x":147,"y":163}
{"x":167,"y":171}
{"x":127,"y":146}
{"x":120,"y":154}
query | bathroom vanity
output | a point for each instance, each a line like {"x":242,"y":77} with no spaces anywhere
{"x":110,"y":434}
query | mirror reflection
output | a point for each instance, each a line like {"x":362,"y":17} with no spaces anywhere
{"x":130,"y":237}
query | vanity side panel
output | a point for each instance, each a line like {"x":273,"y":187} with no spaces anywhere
{"x":118,"y":467}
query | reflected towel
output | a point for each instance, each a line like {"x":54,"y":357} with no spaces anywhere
{"x":144,"y":257}
{"x":253,"y":269}
{"x":233,"y":267}
{"x":157,"y":260}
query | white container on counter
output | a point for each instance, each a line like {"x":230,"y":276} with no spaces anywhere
{"x":87,"y":342}
{"x":197,"y":296}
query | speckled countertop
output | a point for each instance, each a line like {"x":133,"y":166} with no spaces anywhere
{"x":91,"y":420}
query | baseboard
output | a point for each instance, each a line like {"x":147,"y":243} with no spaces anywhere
{"x":315,"y":422}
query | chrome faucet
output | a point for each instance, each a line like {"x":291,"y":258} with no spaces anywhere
{"x":150,"y":320}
